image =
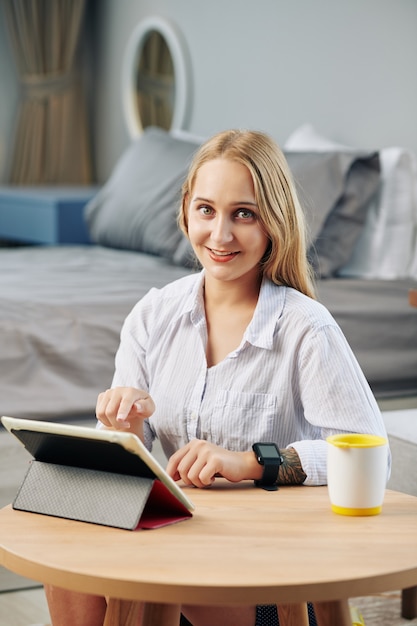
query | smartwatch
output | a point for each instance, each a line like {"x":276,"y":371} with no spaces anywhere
{"x":268,"y":455}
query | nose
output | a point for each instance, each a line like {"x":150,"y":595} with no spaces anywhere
{"x":222,"y":230}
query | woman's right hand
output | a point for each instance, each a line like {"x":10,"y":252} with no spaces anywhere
{"x":124,"y":408}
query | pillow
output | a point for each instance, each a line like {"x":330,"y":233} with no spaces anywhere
{"x":385,"y":248}
{"x":335,"y":189}
{"x":307,"y":138}
{"x":137,"y":208}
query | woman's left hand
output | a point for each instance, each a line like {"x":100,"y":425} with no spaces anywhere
{"x":199,"y":462}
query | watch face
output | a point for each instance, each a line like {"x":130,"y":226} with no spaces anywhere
{"x":268,"y":450}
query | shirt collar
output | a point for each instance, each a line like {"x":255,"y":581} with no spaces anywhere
{"x":193,"y":300}
{"x":262,"y":327}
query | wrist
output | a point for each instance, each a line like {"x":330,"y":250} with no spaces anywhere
{"x":254,"y":471}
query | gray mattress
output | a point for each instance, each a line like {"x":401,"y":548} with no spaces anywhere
{"x":62,"y":309}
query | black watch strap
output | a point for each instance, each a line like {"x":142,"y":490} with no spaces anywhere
{"x":269,"y":456}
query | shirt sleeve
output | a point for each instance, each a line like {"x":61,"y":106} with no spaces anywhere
{"x":130,"y":361}
{"x":336,"y":398}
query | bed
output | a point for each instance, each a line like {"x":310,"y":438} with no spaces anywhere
{"x":62,"y":307}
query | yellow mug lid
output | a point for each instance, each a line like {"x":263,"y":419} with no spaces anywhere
{"x":356,"y":440}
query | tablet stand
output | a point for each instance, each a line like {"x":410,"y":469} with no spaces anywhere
{"x":99,"y":497}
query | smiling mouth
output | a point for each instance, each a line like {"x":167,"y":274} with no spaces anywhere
{"x":222,"y":255}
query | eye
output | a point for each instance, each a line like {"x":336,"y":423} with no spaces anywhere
{"x":205,"y":211}
{"x":245,"y":214}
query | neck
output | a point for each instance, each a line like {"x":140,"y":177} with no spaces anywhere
{"x":231,"y":293}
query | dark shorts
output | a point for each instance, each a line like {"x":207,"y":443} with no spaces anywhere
{"x":266,"y":615}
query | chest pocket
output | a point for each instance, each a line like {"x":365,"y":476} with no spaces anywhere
{"x":240,"y":419}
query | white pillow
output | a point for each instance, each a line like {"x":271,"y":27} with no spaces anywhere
{"x":307,"y":138}
{"x":386,"y":247}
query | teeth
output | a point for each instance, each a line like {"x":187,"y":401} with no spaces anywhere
{"x":221,"y":253}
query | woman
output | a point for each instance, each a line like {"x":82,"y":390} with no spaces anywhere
{"x":237,"y":354}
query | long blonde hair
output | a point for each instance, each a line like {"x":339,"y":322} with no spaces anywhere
{"x":280,"y":213}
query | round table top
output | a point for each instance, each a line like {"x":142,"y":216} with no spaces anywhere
{"x":243,"y":545}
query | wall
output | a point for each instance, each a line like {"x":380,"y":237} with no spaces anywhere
{"x":348,"y":67}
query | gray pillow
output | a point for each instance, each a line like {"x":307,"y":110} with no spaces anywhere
{"x":335,"y":190}
{"x":136,"y":209}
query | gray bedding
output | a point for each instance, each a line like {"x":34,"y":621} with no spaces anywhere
{"x":62,"y":308}
{"x":381,"y":328}
{"x":61,"y":311}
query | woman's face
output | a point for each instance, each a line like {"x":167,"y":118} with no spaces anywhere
{"x":223,"y":221}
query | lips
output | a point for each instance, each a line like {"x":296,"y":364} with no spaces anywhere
{"x":221,"y":256}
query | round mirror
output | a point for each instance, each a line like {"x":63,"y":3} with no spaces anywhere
{"x":155,"y":81}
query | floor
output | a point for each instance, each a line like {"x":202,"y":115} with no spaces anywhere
{"x":23,"y":608}
{"x":27,"y":607}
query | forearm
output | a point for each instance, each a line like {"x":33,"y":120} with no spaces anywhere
{"x":291,"y":471}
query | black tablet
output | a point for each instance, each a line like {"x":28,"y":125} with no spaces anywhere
{"x":91,"y":449}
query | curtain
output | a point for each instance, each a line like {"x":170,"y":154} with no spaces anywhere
{"x":52,"y":141}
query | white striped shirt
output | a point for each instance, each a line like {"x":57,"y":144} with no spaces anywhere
{"x":293,"y":380}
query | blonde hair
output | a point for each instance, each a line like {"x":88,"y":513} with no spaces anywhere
{"x":280,"y":213}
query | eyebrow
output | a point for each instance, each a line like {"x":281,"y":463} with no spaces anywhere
{"x":238,"y":203}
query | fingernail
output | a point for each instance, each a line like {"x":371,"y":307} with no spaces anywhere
{"x":139,"y":406}
{"x":123,"y":424}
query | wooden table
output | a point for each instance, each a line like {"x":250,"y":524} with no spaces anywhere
{"x":243,"y":546}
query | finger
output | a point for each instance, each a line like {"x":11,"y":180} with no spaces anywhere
{"x":107,"y":409}
{"x":191,"y":467}
{"x":180,"y":462}
{"x":111,"y":410}
{"x":173,"y":462}
{"x":207,"y":475}
{"x":144,"y":405}
{"x":171,"y":468}
{"x":123,"y":410}
{"x":101,"y":406}
{"x":201,"y":474}
{"x":132,"y":406}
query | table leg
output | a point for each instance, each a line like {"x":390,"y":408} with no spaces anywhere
{"x":293,"y":614}
{"x":330,"y":613}
{"x":409,"y":603}
{"x":161,"y":614}
{"x":122,"y":612}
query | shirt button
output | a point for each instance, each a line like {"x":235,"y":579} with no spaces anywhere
{"x":193,"y":416}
